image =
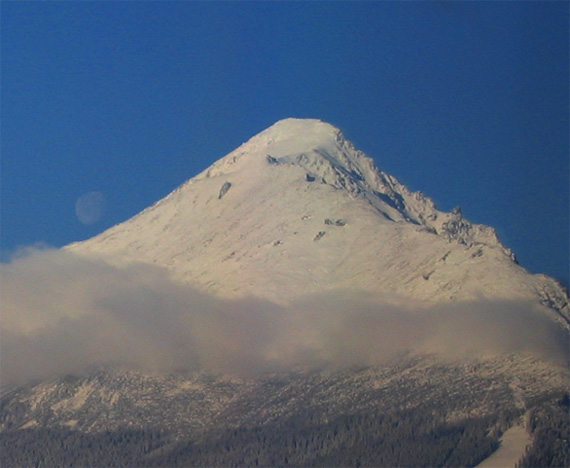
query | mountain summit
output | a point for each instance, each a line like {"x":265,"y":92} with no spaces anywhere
{"x":305,"y":309}
{"x":298,"y":209}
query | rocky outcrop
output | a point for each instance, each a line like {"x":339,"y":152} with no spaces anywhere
{"x":224,"y":189}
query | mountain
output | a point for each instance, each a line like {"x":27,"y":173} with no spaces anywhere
{"x":370,"y":328}
{"x":297,"y":209}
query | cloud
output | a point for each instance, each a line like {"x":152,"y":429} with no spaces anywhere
{"x":62,"y":314}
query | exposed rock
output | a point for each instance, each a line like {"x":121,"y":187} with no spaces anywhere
{"x":457,"y":228}
{"x":335,"y":222}
{"x":319,"y":235}
{"x":477,"y":253}
{"x":224,"y":189}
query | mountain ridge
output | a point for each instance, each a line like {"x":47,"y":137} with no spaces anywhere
{"x":300,"y":185}
{"x":348,"y":169}
{"x":292,"y":304}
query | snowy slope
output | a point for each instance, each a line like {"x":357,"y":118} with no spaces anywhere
{"x":297,"y":209}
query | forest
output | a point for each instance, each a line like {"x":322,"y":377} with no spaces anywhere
{"x":369,"y":439}
{"x":411,"y":438}
{"x":550,"y":428}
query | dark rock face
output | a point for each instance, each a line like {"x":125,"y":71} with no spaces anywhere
{"x":224,"y":189}
{"x":319,"y":235}
{"x":335,"y":222}
{"x":457,"y":228}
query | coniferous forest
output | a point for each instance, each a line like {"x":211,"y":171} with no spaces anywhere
{"x":406,"y":439}
{"x":277,"y":424}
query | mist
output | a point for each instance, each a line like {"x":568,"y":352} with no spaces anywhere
{"x":62,"y":314}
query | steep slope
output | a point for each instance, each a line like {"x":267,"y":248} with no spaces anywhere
{"x":110,"y":399}
{"x":297,"y":209}
{"x":416,"y":413}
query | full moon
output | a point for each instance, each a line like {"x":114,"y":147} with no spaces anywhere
{"x":89,"y":207}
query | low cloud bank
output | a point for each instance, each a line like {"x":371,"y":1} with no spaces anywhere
{"x":61,"y":314}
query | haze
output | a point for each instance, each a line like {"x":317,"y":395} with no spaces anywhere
{"x":62,"y":314}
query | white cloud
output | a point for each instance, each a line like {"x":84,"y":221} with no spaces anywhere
{"x":62,"y":313}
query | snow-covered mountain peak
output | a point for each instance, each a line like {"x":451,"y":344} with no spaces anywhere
{"x":297,"y":210}
{"x":307,"y":143}
{"x":320,"y":153}
{"x":294,"y":135}
{"x":317,"y":152}
{"x":302,"y":131}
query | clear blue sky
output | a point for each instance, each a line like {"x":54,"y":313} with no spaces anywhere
{"x":465,"y":101}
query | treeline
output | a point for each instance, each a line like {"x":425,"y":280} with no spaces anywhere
{"x":550,"y":428}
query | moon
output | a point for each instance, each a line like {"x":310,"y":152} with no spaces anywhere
{"x":89,"y":207}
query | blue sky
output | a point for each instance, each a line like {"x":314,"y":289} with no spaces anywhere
{"x":465,"y":101}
